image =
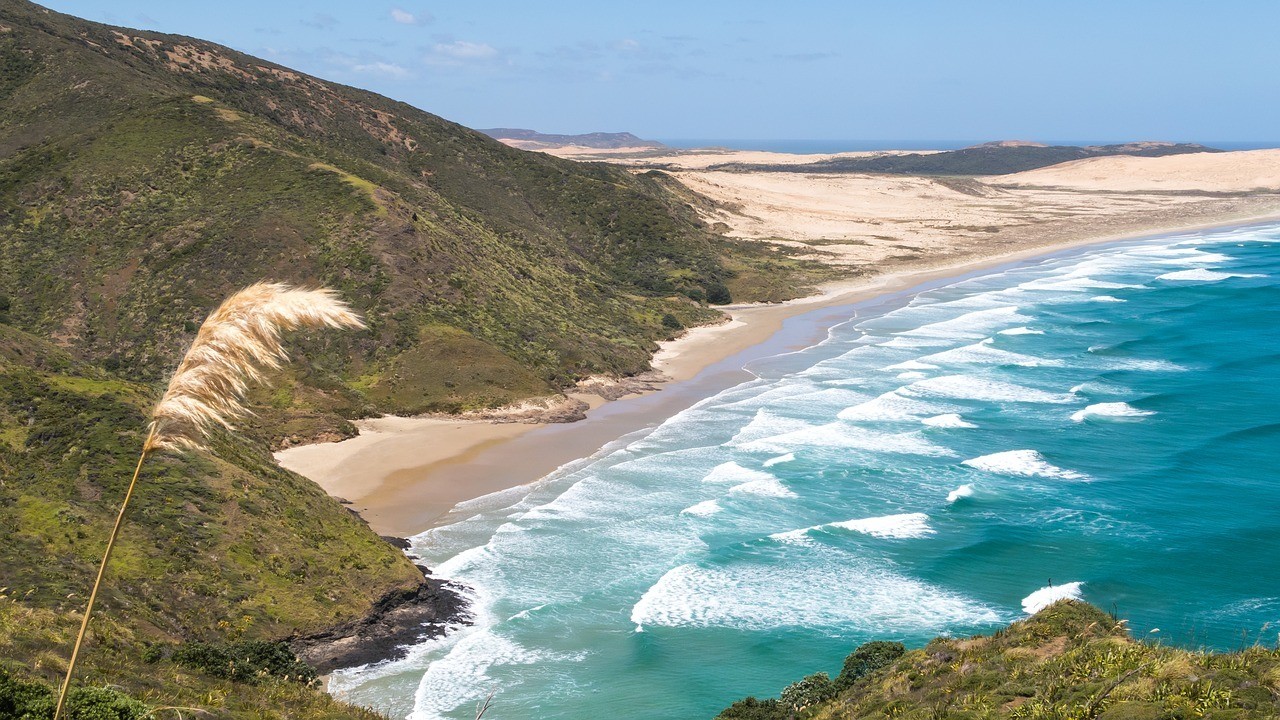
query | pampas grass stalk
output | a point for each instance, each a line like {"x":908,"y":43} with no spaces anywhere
{"x":236,"y":346}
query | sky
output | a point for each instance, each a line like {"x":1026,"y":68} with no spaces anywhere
{"x":881,"y":70}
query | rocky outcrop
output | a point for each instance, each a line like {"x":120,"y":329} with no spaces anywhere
{"x":400,"y":619}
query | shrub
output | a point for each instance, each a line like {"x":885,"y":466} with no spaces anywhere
{"x":753,"y":709}
{"x":248,"y":662}
{"x":718,"y":293}
{"x":868,"y":658}
{"x":808,"y":691}
{"x":22,"y":700}
{"x":671,"y":322}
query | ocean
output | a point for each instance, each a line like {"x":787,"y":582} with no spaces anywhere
{"x":1102,"y":424}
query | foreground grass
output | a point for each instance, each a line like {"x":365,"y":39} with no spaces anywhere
{"x":219,"y":552}
{"x":1070,"y":661}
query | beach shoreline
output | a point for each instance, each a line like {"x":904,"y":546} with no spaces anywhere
{"x":405,"y":475}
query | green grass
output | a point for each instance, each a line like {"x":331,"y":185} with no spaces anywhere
{"x":449,"y":371}
{"x":1070,"y":661}
{"x":218,"y":548}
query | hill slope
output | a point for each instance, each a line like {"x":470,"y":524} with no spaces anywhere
{"x":145,"y":176}
{"x":219,"y":548}
{"x":532,"y":139}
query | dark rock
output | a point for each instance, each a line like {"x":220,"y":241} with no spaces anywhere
{"x":396,"y":542}
{"x":400,"y":619}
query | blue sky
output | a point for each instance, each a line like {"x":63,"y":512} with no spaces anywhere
{"x":906,"y":70}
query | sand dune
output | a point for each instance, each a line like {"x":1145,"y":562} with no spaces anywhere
{"x":881,"y":222}
{"x":702,"y":158}
{"x":1208,"y":172}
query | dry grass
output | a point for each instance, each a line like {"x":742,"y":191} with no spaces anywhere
{"x":235,"y":345}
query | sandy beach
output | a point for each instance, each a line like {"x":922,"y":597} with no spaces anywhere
{"x":404,"y":475}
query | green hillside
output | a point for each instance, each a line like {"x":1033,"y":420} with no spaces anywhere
{"x":1070,"y":661}
{"x":223,"y":548}
{"x":143,"y":177}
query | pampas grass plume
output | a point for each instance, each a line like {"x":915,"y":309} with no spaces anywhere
{"x":235,"y":347}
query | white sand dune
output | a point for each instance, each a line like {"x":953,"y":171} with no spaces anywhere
{"x":1242,"y":171}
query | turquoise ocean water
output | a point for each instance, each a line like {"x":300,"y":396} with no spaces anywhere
{"x":1103,"y":425}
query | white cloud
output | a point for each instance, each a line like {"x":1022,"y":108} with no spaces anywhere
{"x":628,"y":45}
{"x":463,"y":50}
{"x":403,"y":17}
{"x":382,"y":68}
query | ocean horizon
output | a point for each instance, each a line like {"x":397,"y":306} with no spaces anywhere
{"x":1097,"y":424}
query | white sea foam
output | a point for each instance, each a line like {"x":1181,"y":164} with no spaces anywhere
{"x":969,"y":387}
{"x":856,"y":596}
{"x":1046,"y":596}
{"x":1106,"y":299}
{"x":767,"y":424}
{"x":1192,"y":256}
{"x":462,"y":676}
{"x":1099,"y":387}
{"x":1021,"y":331}
{"x":794,"y":537}
{"x":1022,"y":463}
{"x":769,"y":486}
{"x":911,"y":365}
{"x":1109,"y":410}
{"x":1074,"y":284}
{"x":1203,"y":275}
{"x":971,"y":324}
{"x":910,"y":375}
{"x":779,"y":459}
{"x":982,"y":353}
{"x":948,"y":420}
{"x":889,"y":406}
{"x":896,"y":527}
{"x":842,"y":435}
{"x":732,"y":472}
{"x":1144,"y":365}
{"x":906,"y":525}
{"x":703,"y":509}
{"x":963,"y":491}
{"x":912,"y":342}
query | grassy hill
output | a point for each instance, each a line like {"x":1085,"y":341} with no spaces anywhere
{"x":1070,"y":661}
{"x":220,"y":549}
{"x":144,"y":176}
{"x":601,"y":140}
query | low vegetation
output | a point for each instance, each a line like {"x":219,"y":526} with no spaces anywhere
{"x":987,"y":159}
{"x":1070,"y":661}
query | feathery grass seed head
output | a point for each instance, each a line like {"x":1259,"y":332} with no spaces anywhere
{"x":236,"y":345}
